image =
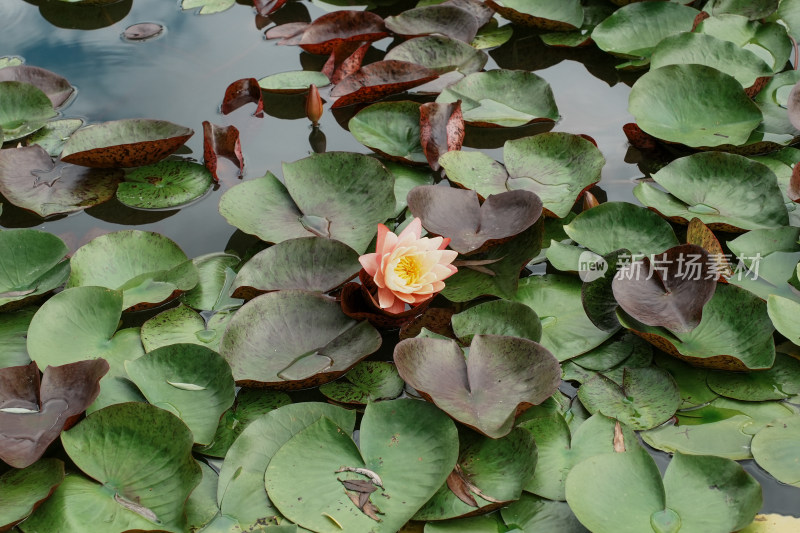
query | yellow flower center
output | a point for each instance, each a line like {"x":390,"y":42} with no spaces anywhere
{"x":409,"y":268}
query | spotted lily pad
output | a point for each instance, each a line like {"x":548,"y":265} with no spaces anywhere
{"x":718,"y":188}
{"x":502,"y":98}
{"x":668,"y":104}
{"x":541,"y":14}
{"x":320,"y":345}
{"x":377,"y":80}
{"x":440,"y":54}
{"x":165,"y":184}
{"x":444,"y":19}
{"x":32,"y":264}
{"x":124,"y":143}
{"x":339,"y":195}
{"x":25,"y":489}
{"x":293,"y":82}
{"x":25,"y":109}
{"x":332,"y":29}
{"x":57,"y":88}
{"x":480,"y":391}
{"x":441,"y":130}
{"x":391,"y":129}
{"x":182,"y":324}
{"x":777,"y":383}
{"x":368,"y":381}
{"x":407,"y":450}
{"x":33,"y":415}
{"x":192,"y":382}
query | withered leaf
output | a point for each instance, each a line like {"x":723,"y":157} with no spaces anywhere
{"x":794,"y":184}
{"x":459,"y":486}
{"x":243,"y":92}
{"x":267,"y":7}
{"x":221,"y":141}
{"x":377,"y":80}
{"x":359,"y":485}
{"x":289,"y":33}
{"x":619,"y":438}
{"x":330,"y":30}
{"x":345,"y":59}
{"x":441,"y":130}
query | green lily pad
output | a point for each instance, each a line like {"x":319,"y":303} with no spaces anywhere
{"x":701,"y":49}
{"x":294,"y":339}
{"x":29,"y":179}
{"x":13,"y":337}
{"x":769,"y":41}
{"x":598,"y":274}
{"x":25,"y":110}
{"x":164,"y":185}
{"x":646,"y":398}
{"x":775,"y":450}
{"x":405,"y":179}
{"x":81,"y":323}
{"x":720,"y":189}
{"x":147,"y":267}
{"x":192,"y":382}
{"x":124,"y":143}
{"x":489,"y":473}
{"x":25,"y":489}
{"x":11,"y":61}
{"x":636,"y":29}
{"x":704,"y":493}
{"x":250,"y":404}
{"x":694,"y":105}
{"x":134,"y":435}
{"x":783,"y":312}
{"x":735,"y":333}
{"x":182,"y":324}
{"x":407,"y":446}
{"x":500,"y":376}
{"x":212,"y":292}
{"x":619,"y":351}
{"x":294,"y":82}
{"x":777,"y":383}
{"x":498,"y":317}
{"x":502,"y":98}
{"x":208,"y":7}
{"x":448,"y":20}
{"x":767,"y":262}
{"x":440,"y":54}
{"x":532,"y":514}
{"x":53,"y":135}
{"x":368,"y":381}
{"x":753,"y":10}
{"x":691,"y":381}
{"x":57,"y":88}
{"x":594,"y":12}
{"x":492,"y":35}
{"x":473,"y":524}
{"x":773,"y":102}
{"x":338,"y":195}
{"x":613,"y":226}
{"x":390,"y":129}
{"x":242,"y":494}
{"x":541,"y":14}
{"x":308,"y":263}
{"x":202,"y":503}
{"x":566,"y":330}
{"x":32,"y":264}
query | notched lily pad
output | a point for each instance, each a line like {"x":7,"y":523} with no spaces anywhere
{"x":182,"y":324}
{"x":368,"y":381}
{"x":392,"y":129}
{"x":32,"y":264}
{"x":26,"y":108}
{"x":56,"y":87}
{"x":242,"y":92}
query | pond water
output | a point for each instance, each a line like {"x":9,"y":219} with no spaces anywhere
{"x":182,"y":74}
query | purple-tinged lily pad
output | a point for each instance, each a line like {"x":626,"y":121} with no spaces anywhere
{"x":57,"y":88}
{"x":500,"y":378}
{"x":142,"y":31}
{"x":22,"y":491}
{"x":377,"y":80}
{"x":444,"y":19}
{"x":345,"y":59}
{"x":25,"y":109}
{"x":32,"y":415}
{"x":124,"y":143}
{"x":330,"y":30}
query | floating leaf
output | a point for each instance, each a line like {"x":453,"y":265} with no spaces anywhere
{"x":368,"y":381}
{"x":124,"y":143}
{"x":476,"y":391}
{"x":53,"y":135}
{"x":776,"y":383}
{"x":441,"y":130}
{"x":266,"y":7}
{"x":377,"y":80}
{"x":221,"y":141}
{"x":392,"y":129}
{"x":242,"y":92}
{"x":32,"y":264}
{"x":594,"y":12}
{"x":767,"y":40}
{"x":534,"y":513}
{"x":212,"y":292}
{"x":25,"y":109}
{"x":13,"y":337}
{"x":774,"y":451}
{"x":165,"y":184}
{"x":541,"y":14}
{"x":405,"y":179}
{"x":498,"y":317}
{"x":294,"y":82}
{"x":345,"y":59}
{"x":57,"y":88}
{"x":440,"y":54}
{"x":444,"y":19}
{"x":24,"y":490}
{"x":183,"y":325}
{"x":142,"y":31}
{"x":208,"y":7}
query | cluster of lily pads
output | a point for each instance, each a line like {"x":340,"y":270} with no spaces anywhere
{"x":143,"y":390}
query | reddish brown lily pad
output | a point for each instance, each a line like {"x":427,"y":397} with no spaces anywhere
{"x":441,"y":130}
{"x":701,"y":235}
{"x":266,"y":7}
{"x":132,"y":142}
{"x":377,"y":80}
{"x":243,"y":92}
{"x":670,"y":290}
{"x":30,"y":422}
{"x":794,"y":184}
{"x":221,"y":141}
{"x":56,"y":87}
{"x":289,"y":34}
{"x":458,"y":215}
{"x":328,"y":31}
{"x":344,"y":60}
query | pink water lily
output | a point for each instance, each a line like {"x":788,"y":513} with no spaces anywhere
{"x":408,"y":268}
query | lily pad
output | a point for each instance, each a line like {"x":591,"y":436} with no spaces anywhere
{"x":221,"y":141}
{"x":695,"y":105}
{"x":390,"y":129}
{"x":498,"y":317}
{"x":29,"y":179}
{"x":216,"y":273}
{"x":250,"y":404}
{"x":164,"y":185}
{"x":566,"y":330}
{"x":368,"y":381}
{"x":777,"y":383}
{"x":53,"y":135}
{"x":378,"y":80}
{"x":208,"y":7}
{"x":192,"y":382}
{"x":332,"y":29}
{"x":635,"y":30}
{"x":541,"y":14}
{"x":25,"y":109}
{"x":134,"y":434}
{"x":767,"y":262}
{"x":480,"y":391}
{"x":753,"y":10}
{"x":294,"y":339}
{"x":124,"y":143}
{"x":440,"y":54}
{"x":180,"y":325}
{"x":339,"y":195}
{"x":147,"y":267}
{"x":56,"y":87}
{"x":781,"y":311}
{"x":441,"y":130}
{"x":32,"y":264}
{"x":458,"y":215}
{"x":294,"y":82}
{"x":24,"y":490}
{"x":774,"y":450}
{"x":408,"y":448}
{"x":720,"y":189}
{"x":598,"y":274}
{"x":444,"y":19}
{"x":13,"y":337}
{"x":32,"y":416}
{"x":594,"y":12}
{"x":502,"y":98}
{"x":768,"y":40}
{"x":538,"y":515}
{"x":489,"y":474}
{"x":81,"y":323}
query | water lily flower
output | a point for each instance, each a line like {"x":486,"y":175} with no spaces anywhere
{"x":408,"y":268}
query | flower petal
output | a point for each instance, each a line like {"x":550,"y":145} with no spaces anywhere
{"x":370,"y":263}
